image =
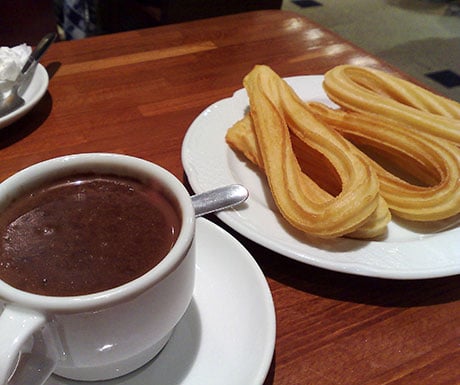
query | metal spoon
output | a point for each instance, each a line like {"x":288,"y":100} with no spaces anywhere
{"x":11,"y":100}
{"x":219,"y":199}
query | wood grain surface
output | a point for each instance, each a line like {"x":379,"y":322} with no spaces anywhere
{"x":137,"y":93}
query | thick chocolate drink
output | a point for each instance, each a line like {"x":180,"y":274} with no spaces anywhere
{"x":85,"y":234}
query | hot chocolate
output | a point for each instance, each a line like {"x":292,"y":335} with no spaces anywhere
{"x":85,"y":234}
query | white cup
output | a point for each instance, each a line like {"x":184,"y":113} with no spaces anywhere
{"x":107,"y":334}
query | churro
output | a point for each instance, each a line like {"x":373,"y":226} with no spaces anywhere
{"x":432,"y":164}
{"x":241,"y":137}
{"x":276,"y":115}
{"x":372,"y":91}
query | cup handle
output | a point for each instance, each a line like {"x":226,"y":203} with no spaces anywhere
{"x":38,"y":357}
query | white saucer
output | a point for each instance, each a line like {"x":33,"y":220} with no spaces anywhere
{"x":31,"y":95}
{"x":227,"y":335}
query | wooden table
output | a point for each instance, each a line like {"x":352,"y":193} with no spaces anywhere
{"x":138,"y":92}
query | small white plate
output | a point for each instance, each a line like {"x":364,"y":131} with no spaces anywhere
{"x":227,"y":336}
{"x":407,"y":252}
{"x":31,"y":95}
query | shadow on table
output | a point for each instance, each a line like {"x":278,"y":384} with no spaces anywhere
{"x":33,"y":119}
{"x":28,"y":123}
{"x":271,"y":372}
{"x":348,"y":287}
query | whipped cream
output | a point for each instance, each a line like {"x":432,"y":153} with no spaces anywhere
{"x":12,"y":60}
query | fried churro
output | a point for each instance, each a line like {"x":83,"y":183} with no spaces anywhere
{"x":432,"y":164}
{"x":369,"y":90}
{"x":276,"y":115}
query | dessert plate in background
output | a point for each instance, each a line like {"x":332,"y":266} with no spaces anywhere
{"x":31,"y":95}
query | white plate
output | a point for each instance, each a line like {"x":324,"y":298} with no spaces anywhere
{"x":406,"y":252}
{"x":31,"y":95}
{"x":227,"y":336}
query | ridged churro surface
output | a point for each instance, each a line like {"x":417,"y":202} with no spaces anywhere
{"x":430,"y":165}
{"x":369,"y":90}
{"x":264,"y":136}
{"x":390,"y":146}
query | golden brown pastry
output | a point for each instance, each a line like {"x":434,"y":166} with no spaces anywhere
{"x":315,"y":168}
{"x":431,"y":165}
{"x":276,"y":115}
{"x":372,"y":91}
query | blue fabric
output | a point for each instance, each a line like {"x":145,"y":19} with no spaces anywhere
{"x":79,"y":18}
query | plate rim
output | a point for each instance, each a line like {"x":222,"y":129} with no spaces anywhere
{"x":264,"y":291}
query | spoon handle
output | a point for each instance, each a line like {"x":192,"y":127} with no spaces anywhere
{"x":38,"y":52}
{"x":219,"y":199}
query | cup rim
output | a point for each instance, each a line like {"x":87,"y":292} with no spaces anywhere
{"x":67,"y":164}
